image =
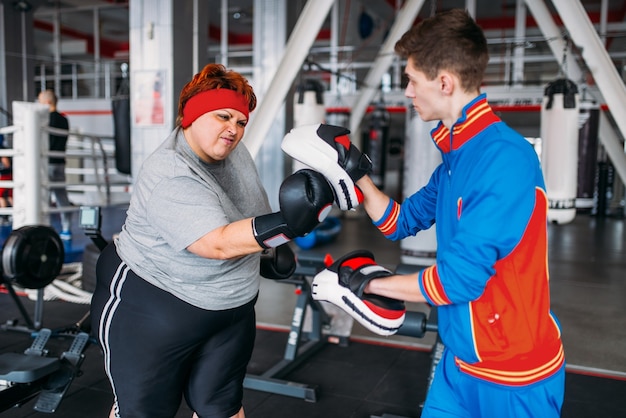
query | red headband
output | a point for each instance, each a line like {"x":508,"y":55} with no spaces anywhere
{"x":210,"y":100}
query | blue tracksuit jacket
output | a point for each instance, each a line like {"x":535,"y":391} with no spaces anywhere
{"x":490,"y":281}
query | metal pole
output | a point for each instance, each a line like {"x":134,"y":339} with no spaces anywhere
{"x":604,"y":12}
{"x":334,"y":45}
{"x":224,"y":34}
{"x":404,"y":20}
{"x":595,"y":55}
{"x":96,"y":53}
{"x":470,"y":5}
{"x":297,"y":48}
{"x":518,"y":50}
{"x":195,"y":65}
{"x":57,"y":51}
{"x":609,"y":139}
{"x":24,"y":60}
{"x":612,"y":146}
{"x":553,"y":35}
{"x":30,"y":166}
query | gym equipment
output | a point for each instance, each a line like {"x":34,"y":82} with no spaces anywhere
{"x":421,"y":157}
{"x":305,"y":199}
{"x":588,"y":124}
{"x":35,"y":374}
{"x":278,"y":263}
{"x":120,"y":105}
{"x":559,"y":151}
{"x":374,"y":142}
{"x":302,"y":345}
{"x":90,"y":221}
{"x":324,"y":233}
{"x":308,"y":108}
{"x":328,"y":150}
{"x":32,"y":257}
{"x":343,"y":283}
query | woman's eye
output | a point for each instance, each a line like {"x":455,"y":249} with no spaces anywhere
{"x":242,"y":124}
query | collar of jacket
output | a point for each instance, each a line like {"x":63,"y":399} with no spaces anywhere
{"x":476,"y":116}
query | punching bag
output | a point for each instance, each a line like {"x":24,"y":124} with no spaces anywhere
{"x":588,"y":124}
{"x":559,"y":152}
{"x":375,"y":143}
{"x":308,"y":108}
{"x":421,"y":157}
{"x":120,"y":105}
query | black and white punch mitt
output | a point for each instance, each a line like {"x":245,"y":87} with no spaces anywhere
{"x":328,"y":150}
{"x":342,"y":284}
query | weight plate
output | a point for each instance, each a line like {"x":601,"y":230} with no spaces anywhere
{"x":33,"y":256}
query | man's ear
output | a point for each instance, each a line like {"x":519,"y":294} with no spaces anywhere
{"x":447,"y":83}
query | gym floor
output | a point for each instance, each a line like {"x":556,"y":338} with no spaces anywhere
{"x":364,"y":375}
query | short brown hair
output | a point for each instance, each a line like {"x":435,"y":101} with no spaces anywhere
{"x":449,"y":40}
{"x":215,"y":76}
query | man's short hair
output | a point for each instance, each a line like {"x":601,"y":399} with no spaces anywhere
{"x":451,"y":41}
{"x":49,"y":97}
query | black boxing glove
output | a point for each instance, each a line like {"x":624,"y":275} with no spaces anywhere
{"x":305,"y":199}
{"x":278,"y":263}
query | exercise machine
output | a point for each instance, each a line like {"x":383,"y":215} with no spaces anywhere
{"x":24,"y":376}
{"x":32,"y":257}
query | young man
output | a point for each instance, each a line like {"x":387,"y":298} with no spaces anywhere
{"x":503,"y":355}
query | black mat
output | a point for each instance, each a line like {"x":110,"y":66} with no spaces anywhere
{"x":357,"y":379}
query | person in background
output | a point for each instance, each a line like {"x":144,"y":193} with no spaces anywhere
{"x":503,"y":353}
{"x":56,"y":165}
{"x":173,"y":307}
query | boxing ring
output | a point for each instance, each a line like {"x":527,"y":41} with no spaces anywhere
{"x":93,"y":181}
{"x":88,"y":156}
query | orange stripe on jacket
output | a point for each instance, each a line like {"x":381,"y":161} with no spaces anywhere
{"x":433,"y":287}
{"x":388,"y":225}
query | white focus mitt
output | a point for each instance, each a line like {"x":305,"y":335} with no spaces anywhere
{"x":342,"y":284}
{"x":328,"y":150}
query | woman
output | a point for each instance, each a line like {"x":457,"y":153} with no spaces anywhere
{"x":174,"y":302}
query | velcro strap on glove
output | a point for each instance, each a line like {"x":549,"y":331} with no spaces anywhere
{"x":271,"y":230}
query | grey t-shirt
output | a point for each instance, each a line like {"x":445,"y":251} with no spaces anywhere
{"x":177,"y":199}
